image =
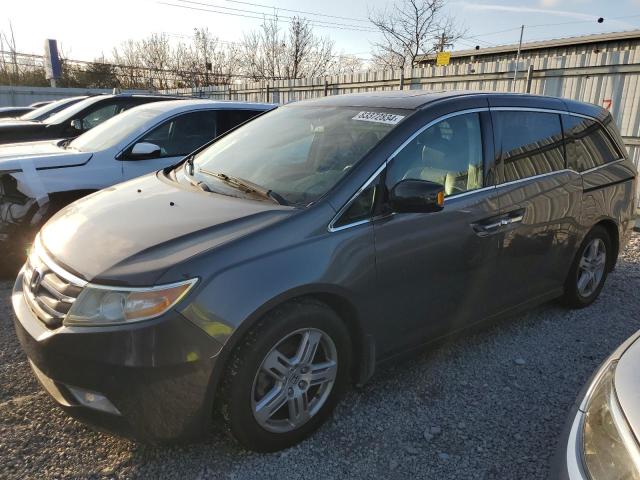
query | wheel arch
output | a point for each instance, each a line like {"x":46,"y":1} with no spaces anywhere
{"x":612,"y":229}
{"x":338,"y":301}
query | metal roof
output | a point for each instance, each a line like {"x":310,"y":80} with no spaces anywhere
{"x":544,"y":44}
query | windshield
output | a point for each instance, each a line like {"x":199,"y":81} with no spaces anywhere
{"x":69,"y":113}
{"x":117,"y":129}
{"x":39,"y":114}
{"x":296,"y":152}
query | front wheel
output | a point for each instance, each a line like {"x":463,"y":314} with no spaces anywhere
{"x":287,"y":376}
{"x":589,"y":269}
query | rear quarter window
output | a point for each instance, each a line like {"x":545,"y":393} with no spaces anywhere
{"x":588,"y":144}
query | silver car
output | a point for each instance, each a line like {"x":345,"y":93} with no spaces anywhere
{"x":601,"y":437}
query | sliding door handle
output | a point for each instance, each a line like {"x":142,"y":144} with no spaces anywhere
{"x":514,"y":219}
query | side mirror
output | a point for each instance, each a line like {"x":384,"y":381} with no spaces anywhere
{"x":77,"y":124}
{"x":416,"y":196}
{"x":144,"y":150}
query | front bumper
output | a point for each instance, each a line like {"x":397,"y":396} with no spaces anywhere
{"x":156,"y":373}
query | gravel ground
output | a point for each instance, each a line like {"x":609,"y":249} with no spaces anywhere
{"x":485,"y":405}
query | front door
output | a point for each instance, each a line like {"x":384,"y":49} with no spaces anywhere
{"x":436,"y":270}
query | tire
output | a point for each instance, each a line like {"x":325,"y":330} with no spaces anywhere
{"x":294,"y":382}
{"x":575,"y":295}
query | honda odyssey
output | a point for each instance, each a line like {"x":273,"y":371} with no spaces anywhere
{"x":256,"y":279}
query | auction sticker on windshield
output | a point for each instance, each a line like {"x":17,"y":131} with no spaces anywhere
{"x":379,"y":117}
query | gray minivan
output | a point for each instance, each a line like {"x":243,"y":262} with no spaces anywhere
{"x":286,"y":259}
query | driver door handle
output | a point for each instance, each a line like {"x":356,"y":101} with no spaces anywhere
{"x":495,"y":224}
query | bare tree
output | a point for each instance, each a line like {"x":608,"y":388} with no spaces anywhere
{"x":272,"y":53}
{"x":10,"y":41}
{"x":129,"y":64}
{"x":345,"y":63}
{"x":410,"y":28}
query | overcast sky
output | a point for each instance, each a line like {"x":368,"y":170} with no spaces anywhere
{"x":87,"y":28}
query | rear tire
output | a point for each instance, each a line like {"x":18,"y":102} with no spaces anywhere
{"x":589,"y":270}
{"x":286,"y":377}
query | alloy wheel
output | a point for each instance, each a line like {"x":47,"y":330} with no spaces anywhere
{"x":294,"y":380}
{"x":591,"y":267}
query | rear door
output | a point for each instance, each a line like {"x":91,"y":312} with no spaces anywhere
{"x":436,"y":270}
{"x":176,"y":137}
{"x":540,"y":203}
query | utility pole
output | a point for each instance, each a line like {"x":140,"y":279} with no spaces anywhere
{"x":515,"y":73}
{"x":442,"y":43}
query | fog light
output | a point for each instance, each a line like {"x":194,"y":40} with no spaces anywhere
{"x":93,"y":400}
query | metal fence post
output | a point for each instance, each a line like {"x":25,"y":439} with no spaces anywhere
{"x":326,"y":87}
{"x":529,"y":78}
{"x":402,"y":79}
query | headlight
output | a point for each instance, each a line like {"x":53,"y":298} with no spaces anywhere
{"x":610,"y":448}
{"x":98,"y":305}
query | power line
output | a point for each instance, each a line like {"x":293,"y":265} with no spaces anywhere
{"x":300,"y":11}
{"x":279,"y":18}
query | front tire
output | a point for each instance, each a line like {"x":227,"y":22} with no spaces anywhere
{"x":286,"y":377}
{"x":589,"y":269}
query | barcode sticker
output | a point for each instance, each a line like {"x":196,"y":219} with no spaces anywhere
{"x":378,"y":117}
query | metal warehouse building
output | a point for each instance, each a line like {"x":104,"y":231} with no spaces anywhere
{"x":603,"y":69}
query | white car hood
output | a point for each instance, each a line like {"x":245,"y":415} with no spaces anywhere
{"x":38,"y":155}
{"x":26,"y":149}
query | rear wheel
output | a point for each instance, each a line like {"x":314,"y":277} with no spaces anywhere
{"x":287,"y":376}
{"x":589,"y":269}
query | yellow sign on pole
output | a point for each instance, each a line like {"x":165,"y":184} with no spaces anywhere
{"x":443,"y":58}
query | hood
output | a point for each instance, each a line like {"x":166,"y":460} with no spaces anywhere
{"x":17,"y":123}
{"x":627,"y":385}
{"x":24,"y":157}
{"x":26,"y":149}
{"x":18,"y":130}
{"x":131,"y":233}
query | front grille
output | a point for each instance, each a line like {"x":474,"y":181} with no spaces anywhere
{"x":48,"y":293}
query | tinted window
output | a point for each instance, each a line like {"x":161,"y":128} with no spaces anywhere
{"x":531,"y":143}
{"x":228,"y":119}
{"x":588,"y":145}
{"x":448,"y":153}
{"x":361,"y":208}
{"x":183,"y":134}
{"x":99,"y":115}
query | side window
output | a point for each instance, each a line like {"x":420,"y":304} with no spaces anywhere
{"x":183,"y":134}
{"x":531,"y":143}
{"x":448,"y":153}
{"x":101,"y":114}
{"x":228,"y":119}
{"x":361,"y":208}
{"x":588,"y":145}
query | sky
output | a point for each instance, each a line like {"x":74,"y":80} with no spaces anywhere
{"x":86,"y":29}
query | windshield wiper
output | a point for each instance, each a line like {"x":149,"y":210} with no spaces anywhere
{"x":65,"y":143}
{"x":247,"y":186}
